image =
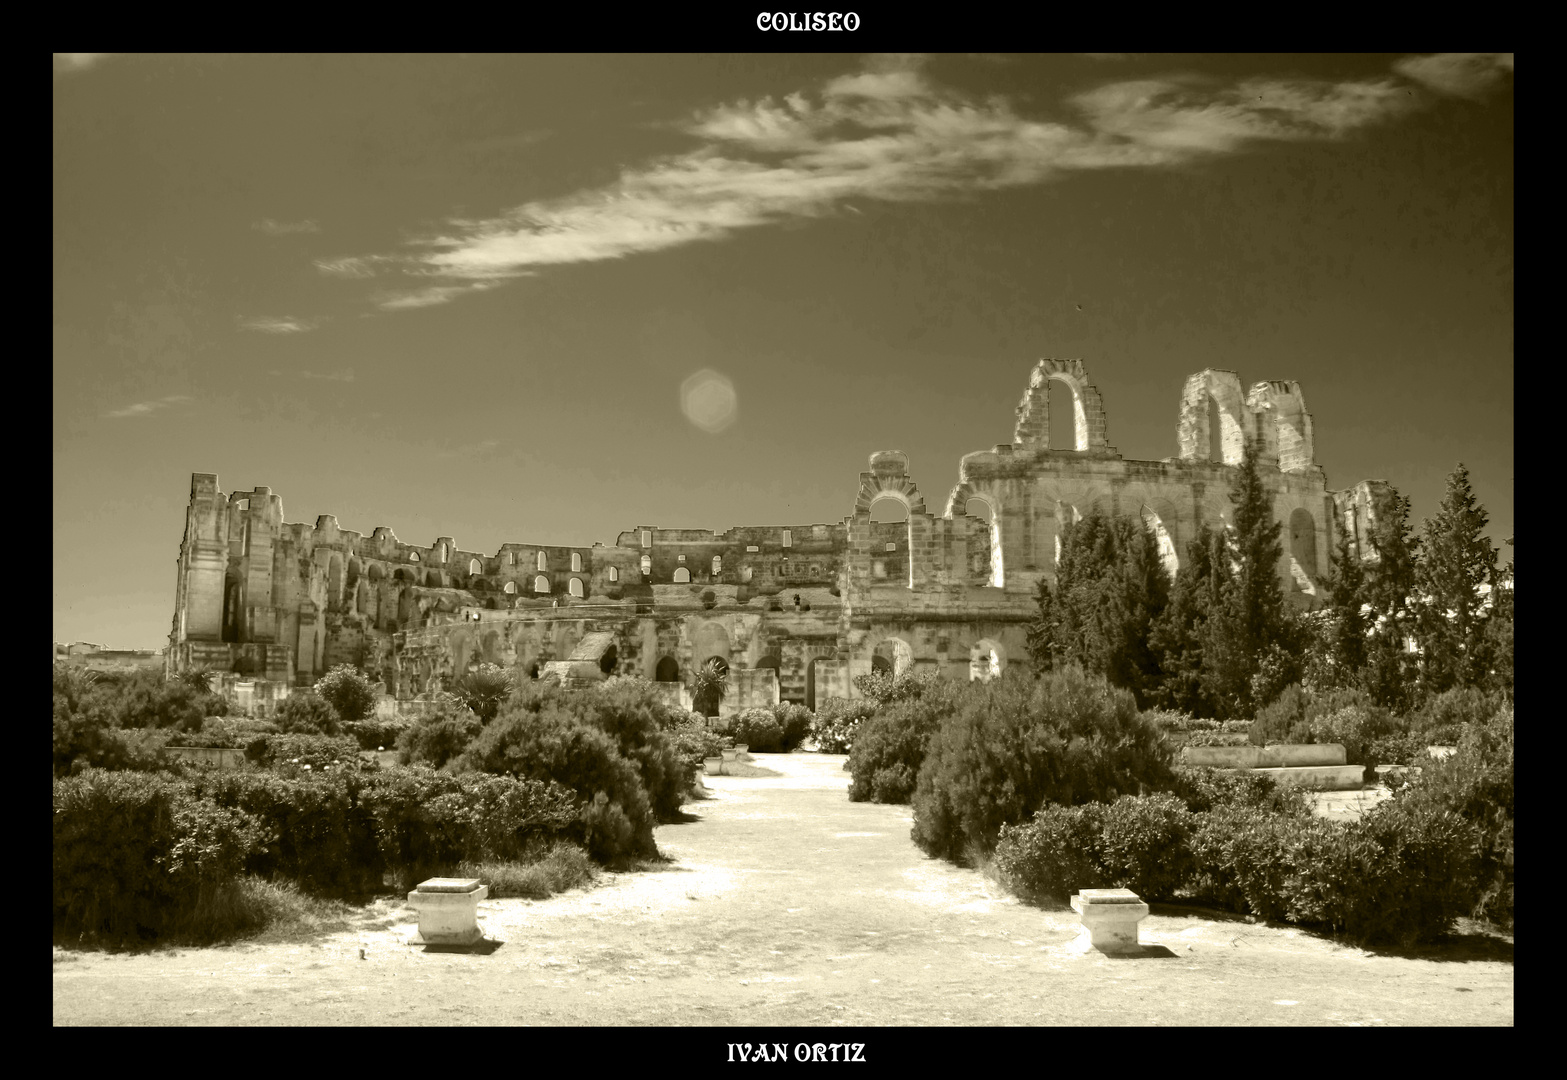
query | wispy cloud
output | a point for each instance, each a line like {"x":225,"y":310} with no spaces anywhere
{"x":887,"y":134}
{"x":345,"y":375}
{"x":142,"y":408}
{"x":67,"y":62}
{"x":478,"y":449}
{"x":284,"y":228}
{"x":286,"y":324}
{"x":1467,"y":75}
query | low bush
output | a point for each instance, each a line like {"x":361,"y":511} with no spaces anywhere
{"x":306,"y":714}
{"x":351,"y":694}
{"x":300,"y":753}
{"x":1356,"y":727}
{"x":1013,"y":745}
{"x":1442,"y":719}
{"x":1146,"y":845}
{"x":544,"y":873}
{"x":139,"y":857}
{"x":1054,"y":855}
{"x":890,"y":747}
{"x":439,"y":736}
{"x":837,"y":721}
{"x":374,"y":733}
{"x":795,"y":720}
{"x":1476,"y":784}
{"x":225,"y":732}
{"x":1203,"y":789}
{"x":616,"y":819}
{"x":758,"y":730}
{"x":640,"y":721}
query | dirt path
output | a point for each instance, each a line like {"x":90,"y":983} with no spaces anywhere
{"x":787,"y":905}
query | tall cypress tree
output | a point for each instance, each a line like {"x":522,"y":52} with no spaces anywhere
{"x":1499,"y":631}
{"x":1391,"y":670}
{"x":1456,"y":559}
{"x":1250,"y":622}
{"x":1339,"y":646}
{"x":1176,"y":637}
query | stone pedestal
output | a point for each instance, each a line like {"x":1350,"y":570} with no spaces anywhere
{"x":448,"y":911}
{"x":714,"y":765}
{"x":1110,"y":918}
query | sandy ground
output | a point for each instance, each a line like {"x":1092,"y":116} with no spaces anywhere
{"x":788,"y":905}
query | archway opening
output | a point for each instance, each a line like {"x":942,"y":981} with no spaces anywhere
{"x":608,"y":660}
{"x":1066,"y":517}
{"x":1167,"y":550}
{"x":1063,"y":416}
{"x":1303,"y":550}
{"x":892,"y":657}
{"x":991,"y":567}
{"x":682,"y":575}
{"x":892,"y":541}
{"x":668,"y":670}
{"x":986,"y":661}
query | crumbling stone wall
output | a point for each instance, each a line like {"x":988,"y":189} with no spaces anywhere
{"x":797,"y":611}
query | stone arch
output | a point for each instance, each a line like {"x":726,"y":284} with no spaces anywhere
{"x":1168,"y":553}
{"x":1033,"y":412}
{"x":364,"y":600}
{"x":541,"y":562}
{"x":413,"y":556}
{"x":432,"y":579}
{"x":574,"y":587}
{"x":986,"y":660}
{"x":718,"y":565}
{"x":996,"y":577}
{"x":334,"y":582}
{"x":614,"y":573}
{"x":892,"y":656}
{"x":375,"y":573}
{"x":1303,"y":550}
{"x":475,"y":567}
{"x":355,"y":571}
{"x":682,"y":575}
{"x":608,"y":659}
{"x":541,"y":584}
{"x":510,"y":587}
{"x":490,"y":647}
{"x":647,"y":565}
{"x":889,"y":478}
{"x":1223,"y":388}
{"x":576,"y":562}
{"x":405,"y":608}
{"x":667,"y":670}
{"x":711,"y":639}
{"x":1283,"y":425}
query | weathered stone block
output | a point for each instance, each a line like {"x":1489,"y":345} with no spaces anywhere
{"x":1110,"y":918}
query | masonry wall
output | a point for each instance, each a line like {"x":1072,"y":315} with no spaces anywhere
{"x":797,"y":611}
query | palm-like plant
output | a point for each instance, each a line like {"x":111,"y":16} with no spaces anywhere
{"x":708,"y":686}
{"x":198,"y":679}
{"x":484,"y":690}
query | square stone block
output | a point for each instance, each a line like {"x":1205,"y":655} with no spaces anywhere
{"x":448,"y":911}
{"x":1109,"y":919}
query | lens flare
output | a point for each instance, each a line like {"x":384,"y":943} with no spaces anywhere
{"x":708,"y":400}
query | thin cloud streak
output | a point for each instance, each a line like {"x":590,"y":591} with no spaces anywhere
{"x":1467,"y":75}
{"x":284,"y":228}
{"x":66,"y":63}
{"x":142,"y":408}
{"x":889,"y":134}
{"x":279,"y":325}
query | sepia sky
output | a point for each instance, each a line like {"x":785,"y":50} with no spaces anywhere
{"x":460,"y":295}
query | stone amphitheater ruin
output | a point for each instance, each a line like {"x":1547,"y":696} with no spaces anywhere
{"x":794,"y":611}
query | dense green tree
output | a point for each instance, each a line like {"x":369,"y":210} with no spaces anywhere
{"x":1176,"y":637}
{"x":1250,"y":623}
{"x":1338,"y":640}
{"x":1391,"y":671}
{"x":1111,"y":586}
{"x":1456,"y":559}
{"x":1499,"y":632}
{"x":350,"y":693}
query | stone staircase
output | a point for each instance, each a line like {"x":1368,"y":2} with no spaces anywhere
{"x":1318,"y":766}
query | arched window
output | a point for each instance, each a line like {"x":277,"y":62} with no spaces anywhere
{"x":647,"y":565}
{"x":1303,"y":551}
{"x":541,"y":584}
{"x":614,"y":573}
{"x":574,"y":586}
{"x":413,"y":556}
{"x":718,"y":565}
{"x":511,"y":586}
{"x":668,"y":670}
{"x":986,"y":660}
{"x":682,"y":575}
{"x":474,"y":566}
{"x":541,"y":564}
{"x":576,"y":562}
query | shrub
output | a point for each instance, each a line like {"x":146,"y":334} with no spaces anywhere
{"x":351,"y":694}
{"x":890,"y":747}
{"x":373,"y":733}
{"x":318,"y":832}
{"x":546,"y":871}
{"x":1013,"y":746}
{"x":145,"y":699}
{"x":1146,"y":845}
{"x":631,"y":712}
{"x":1242,"y":856}
{"x":795,"y":720}
{"x":225,"y":732}
{"x":440,"y":736}
{"x":298,"y":753}
{"x":1204,"y":789}
{"x":1441,"y":720}
{"x":138,"y":856}
{"x":1476,"y":783}
{"x":306,"y":714}
{"x":837,"y":721}
{"x":555,"y":745}
{"x":1400,"y":874}
{"x":880,"y":688}
{"x":1354,"y":726}
{"x":759,"y":730}
{"x":1053,"y":855}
